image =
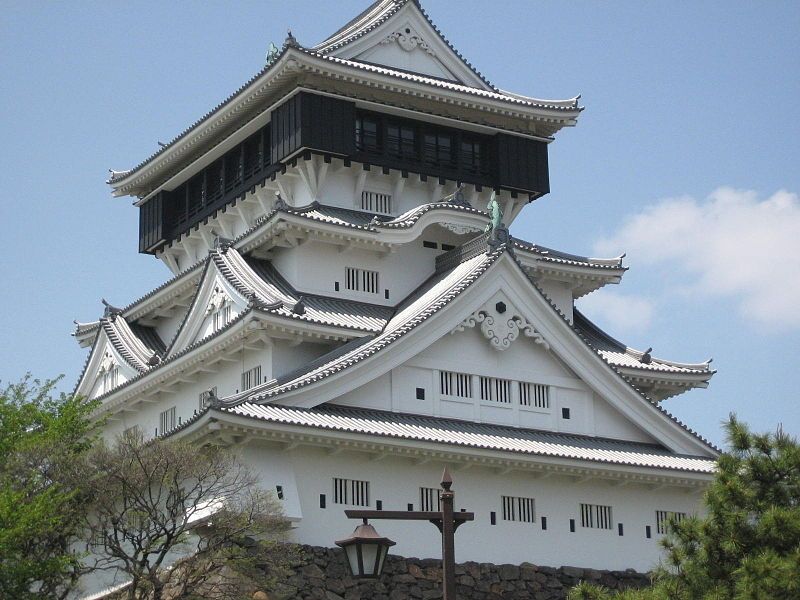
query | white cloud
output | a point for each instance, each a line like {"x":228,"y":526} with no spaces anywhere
{"x":622,"y":313}
{"x":730,"y":244}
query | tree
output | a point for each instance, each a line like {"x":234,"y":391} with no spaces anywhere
{"x":747,"y":546}
{"x":181,"y":519}
{"x":42,"y":439}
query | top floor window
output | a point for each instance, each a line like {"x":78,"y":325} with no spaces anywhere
{"x":472,"y":156}
{"x":401,"y":140}
{"x":438,"y":149}
{"x":367,"y":138}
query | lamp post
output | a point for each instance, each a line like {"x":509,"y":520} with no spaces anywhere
{"x":366,"y":550}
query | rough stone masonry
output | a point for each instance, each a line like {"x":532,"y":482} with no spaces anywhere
{"x":322,"y":574}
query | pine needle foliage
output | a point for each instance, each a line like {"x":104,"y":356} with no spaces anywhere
{"x":747,"y":544}
{"x":42,"y":437}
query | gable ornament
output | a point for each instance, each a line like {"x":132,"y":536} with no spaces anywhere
{"x":218,"y":299}
{"x":408,"y":41}
{"x":501,"y":331}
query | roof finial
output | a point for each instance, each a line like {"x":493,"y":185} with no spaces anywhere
{"x":272,"y":53}
{"x":498,"y":232}
{"x":646,"y":359}
{"x":110,"y":311}
{"x":280,"y":203}
{"x":290,"y":39}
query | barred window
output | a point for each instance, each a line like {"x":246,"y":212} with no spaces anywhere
{"x":596,"y":516}
{"x":665,"y":517}
{"x":429,"y":499}
{"x":495,"y":390}
{"x":517,"y":508}
{"x":167,"y":420}
{"x":376,"y":202}
{"x":534,"y":395}
{"x":110,"y":379}
{"x":361,"y":280}
{"x":251,"y":378}
{"x":350,"y":491}
{"x":455,"y":384}
{"x":221,"y":316}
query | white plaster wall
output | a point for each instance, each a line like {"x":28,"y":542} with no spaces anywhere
{"x":287,"y":358}
{"x":314,"y":268}
{"x":469,"y":352}
{"x":396,"y":482}
{"x":560,"y":294}
{"x":185,"y":396}
{"x":608,"y":422}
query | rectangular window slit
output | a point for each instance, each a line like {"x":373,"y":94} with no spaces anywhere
{"x":596,"y":516}
{"x":534,"y":395}
{"x":361,"y":280}
{"x":429,"y":499}
{"x":520,"y":509}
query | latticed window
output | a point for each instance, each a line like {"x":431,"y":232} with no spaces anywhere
{"x":472,"y":156}
{"x":401,"y":141}
{"x":361,"y":280}
{"x":455,"y":384}
{"x":665,"y":517}
{"x":110,"y":378}
{"x":438,"y":149}
{"x":350,"y":491}
{"x":367,"y":139}
{"x":495,"y":390}
{"x":517,"y":508}
{"x":167,"y":420}
{"x":251,"y":378}
{"x":429,"y":499}
{"x":596,"y":516}
{"x":376,"y":202}
{"x":534,"y":395}
{"x":222,"y":316}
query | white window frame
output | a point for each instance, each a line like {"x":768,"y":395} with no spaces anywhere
{"x":663,"y":518}
{"x":429,"y":499}
{"x":376,"y":202}
{"x":167,"y":420}
{"x":251,"y":378}
{"x":495,"y":389}
{"x":365,"y":281}
{"x":596,"y":516}
{"x":521,"y":509}
{"x":453,"y":384}
{"x":351,"y":492}
{"x":534,"y":396}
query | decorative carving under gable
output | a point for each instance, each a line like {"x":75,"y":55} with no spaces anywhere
{"x":500,"y":327}
{"x":218,"y":299}
{"x":459,"y":228}
{"x":107,"y":363}
{"x":408,"y":41}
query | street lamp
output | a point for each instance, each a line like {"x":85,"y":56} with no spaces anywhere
{"x":366,"y":550}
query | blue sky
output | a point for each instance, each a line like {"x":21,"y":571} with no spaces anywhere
{"x":685,"y":158}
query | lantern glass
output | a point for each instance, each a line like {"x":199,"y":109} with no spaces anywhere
{"x":369,"y":558}
{"x":351,"y":552}
{"x":366,"y":552}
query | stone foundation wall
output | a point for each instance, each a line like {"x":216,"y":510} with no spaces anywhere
{"x":322,"y":574}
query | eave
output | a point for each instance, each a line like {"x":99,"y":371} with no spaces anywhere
{"x":222,"y":425}
{"x":277,"y":79}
